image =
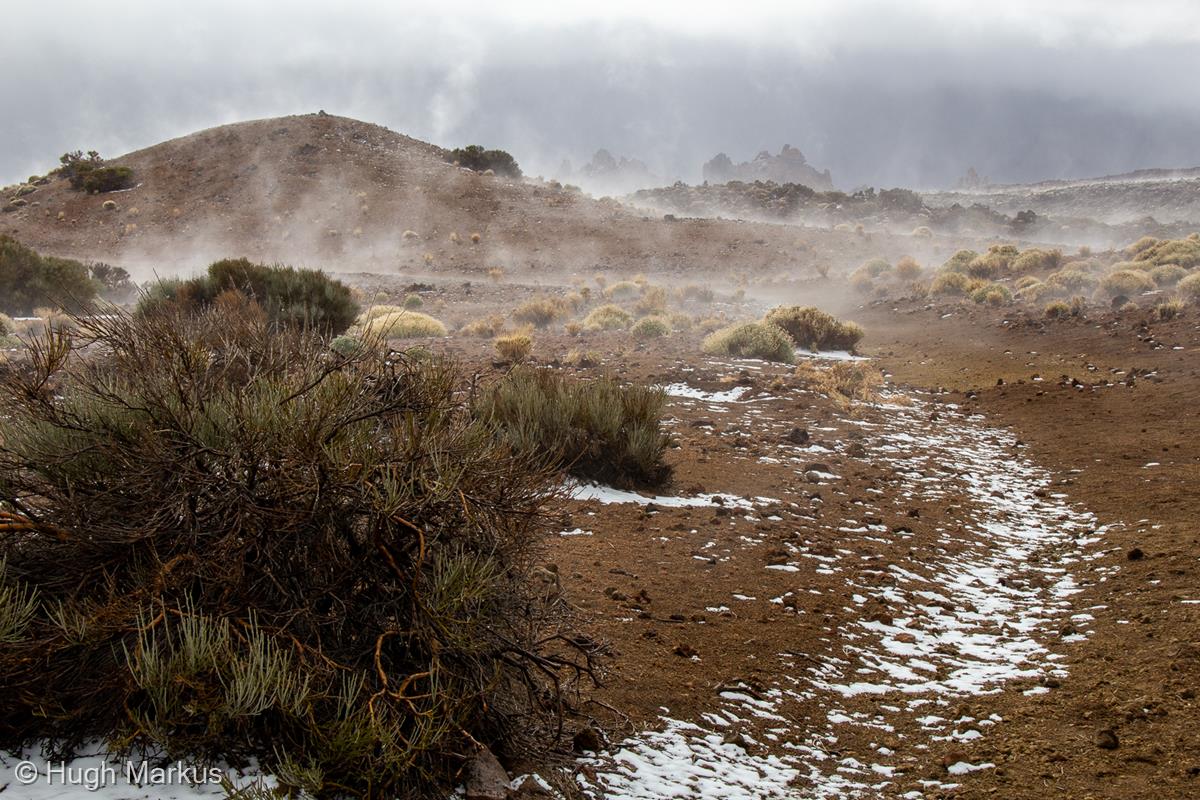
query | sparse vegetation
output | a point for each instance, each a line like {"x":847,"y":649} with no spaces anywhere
{"x":751,"y":340}
{"x":596,"y":429}
{"x":413,"y":301}
{"x":1168,"y":310}
{"x":485,"y":327}
{"x":951,"y":284}
{"x":622,"y":290}
{"x":845,"y":382}
{"x":1167,"y":275}
{"x":813,"y":329}
{"x":992,"y":294}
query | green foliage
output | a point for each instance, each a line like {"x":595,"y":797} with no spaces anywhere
{"x":114,"y":282}
{"x":813,"y":329}
{"x":651,"y":327}
{"x":295,"y":298}
{"x":477,"y":158}
{"x":29,"y":280}
{"x":232,"y":543}
{"x":413,"y":301}
{"x":992,"y":294}
{"x":91,"y":174}
{"x":596,"y":429}
{"x":959,"y":261}
{"x":751,"y":340}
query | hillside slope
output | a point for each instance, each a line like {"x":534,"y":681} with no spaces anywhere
{"x":337,"y":193}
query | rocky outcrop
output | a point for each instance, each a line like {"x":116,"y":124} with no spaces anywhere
{"x":789,"y":166}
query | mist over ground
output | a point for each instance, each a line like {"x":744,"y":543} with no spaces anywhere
{"x":926,"y":90}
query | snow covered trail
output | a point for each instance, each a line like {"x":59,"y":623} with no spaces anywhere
{"x":983,"y":598}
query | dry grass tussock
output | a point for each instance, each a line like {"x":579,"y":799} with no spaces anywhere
{"x":404,"y":324}
{"x":513,"y":348}
{"x":751,"y":340}
{"x":813,"y":329}
{"x":845,"y":382}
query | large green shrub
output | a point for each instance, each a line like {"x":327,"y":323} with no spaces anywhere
{"x":300,"y":298}
{"x":91,"y":174}
{"x":477,"y":158}
{"x":597,"y":429}
{"x":225,"y":541}
{"x":29,"y":280}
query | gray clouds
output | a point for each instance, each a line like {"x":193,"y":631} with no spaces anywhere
{"x":881,"y":93}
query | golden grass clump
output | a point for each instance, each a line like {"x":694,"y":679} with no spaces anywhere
{"x":751,"y":340}
{"x":404,"y":324}
{"x":608,"y":318}
{"x":1169,"y":309}
{"x":496,"y":274}
{"x":907,"y":269}
{"x":951,"y":284}
{"x":622,"y":290}
{"x":541,"y":311}
{"x":844,"y":382}
{"x":484,"y":327}
{"x":513,"y":348}
{"x":1189,"y":288}
{"x":652,"y":301}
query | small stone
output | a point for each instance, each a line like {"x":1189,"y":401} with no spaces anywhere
{"x":1106,"y":739}
{"x":486,"y":779}
{"x":587,"y":739}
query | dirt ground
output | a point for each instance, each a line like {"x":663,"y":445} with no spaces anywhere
{"x":748,"y":616}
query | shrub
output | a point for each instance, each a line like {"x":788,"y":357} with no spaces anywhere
{"x":608,"y":318}
{"x":652,"y":301}
{"x":751,"y":340}
{"x":844,"y":382}
{"x":907,"y":269}
{"x":513,"y":348}
{"x":496,"y":274}
{"x":29,"y":280}
{"x":596,"y":429}
{"x":108,"y":179}
{"x":1070,"y":279}
{"x":290,"y":297}
{"x":952,"y":284}
{"x":477,"y":158}
{"x":1184,"y":252}
{"x":680,"y":321}
{"x":992,"y":294}
{"x":346,"y":346}
{"x":959,"y":261}
{"x":1126,"y":282}
{"x":264,"y":553}
{"x":413,"y":301}
{"x":1025,"y":281}
{"x":652,"y":327}
{"x":1035,"y":260}
{"x":404,"y":325}
{"x":993,"y":263}
{"x":1168,"y":310}
{"x":622,"y":290}
{"x":698,"y":294}
{"x":541,"y":311}
{"x":484,"y":327}
{"x":1167,"y":275}
{"x":1057,"y":309}
{"x":1140,"y":246}
{"x":1189,"y":288}
{"x":813,"y":329}
{"x":7,"y":326}
{"x":922,"y":232}
{"x":91,"y":174}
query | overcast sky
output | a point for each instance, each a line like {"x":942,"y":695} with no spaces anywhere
{"x":904,"y":93}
